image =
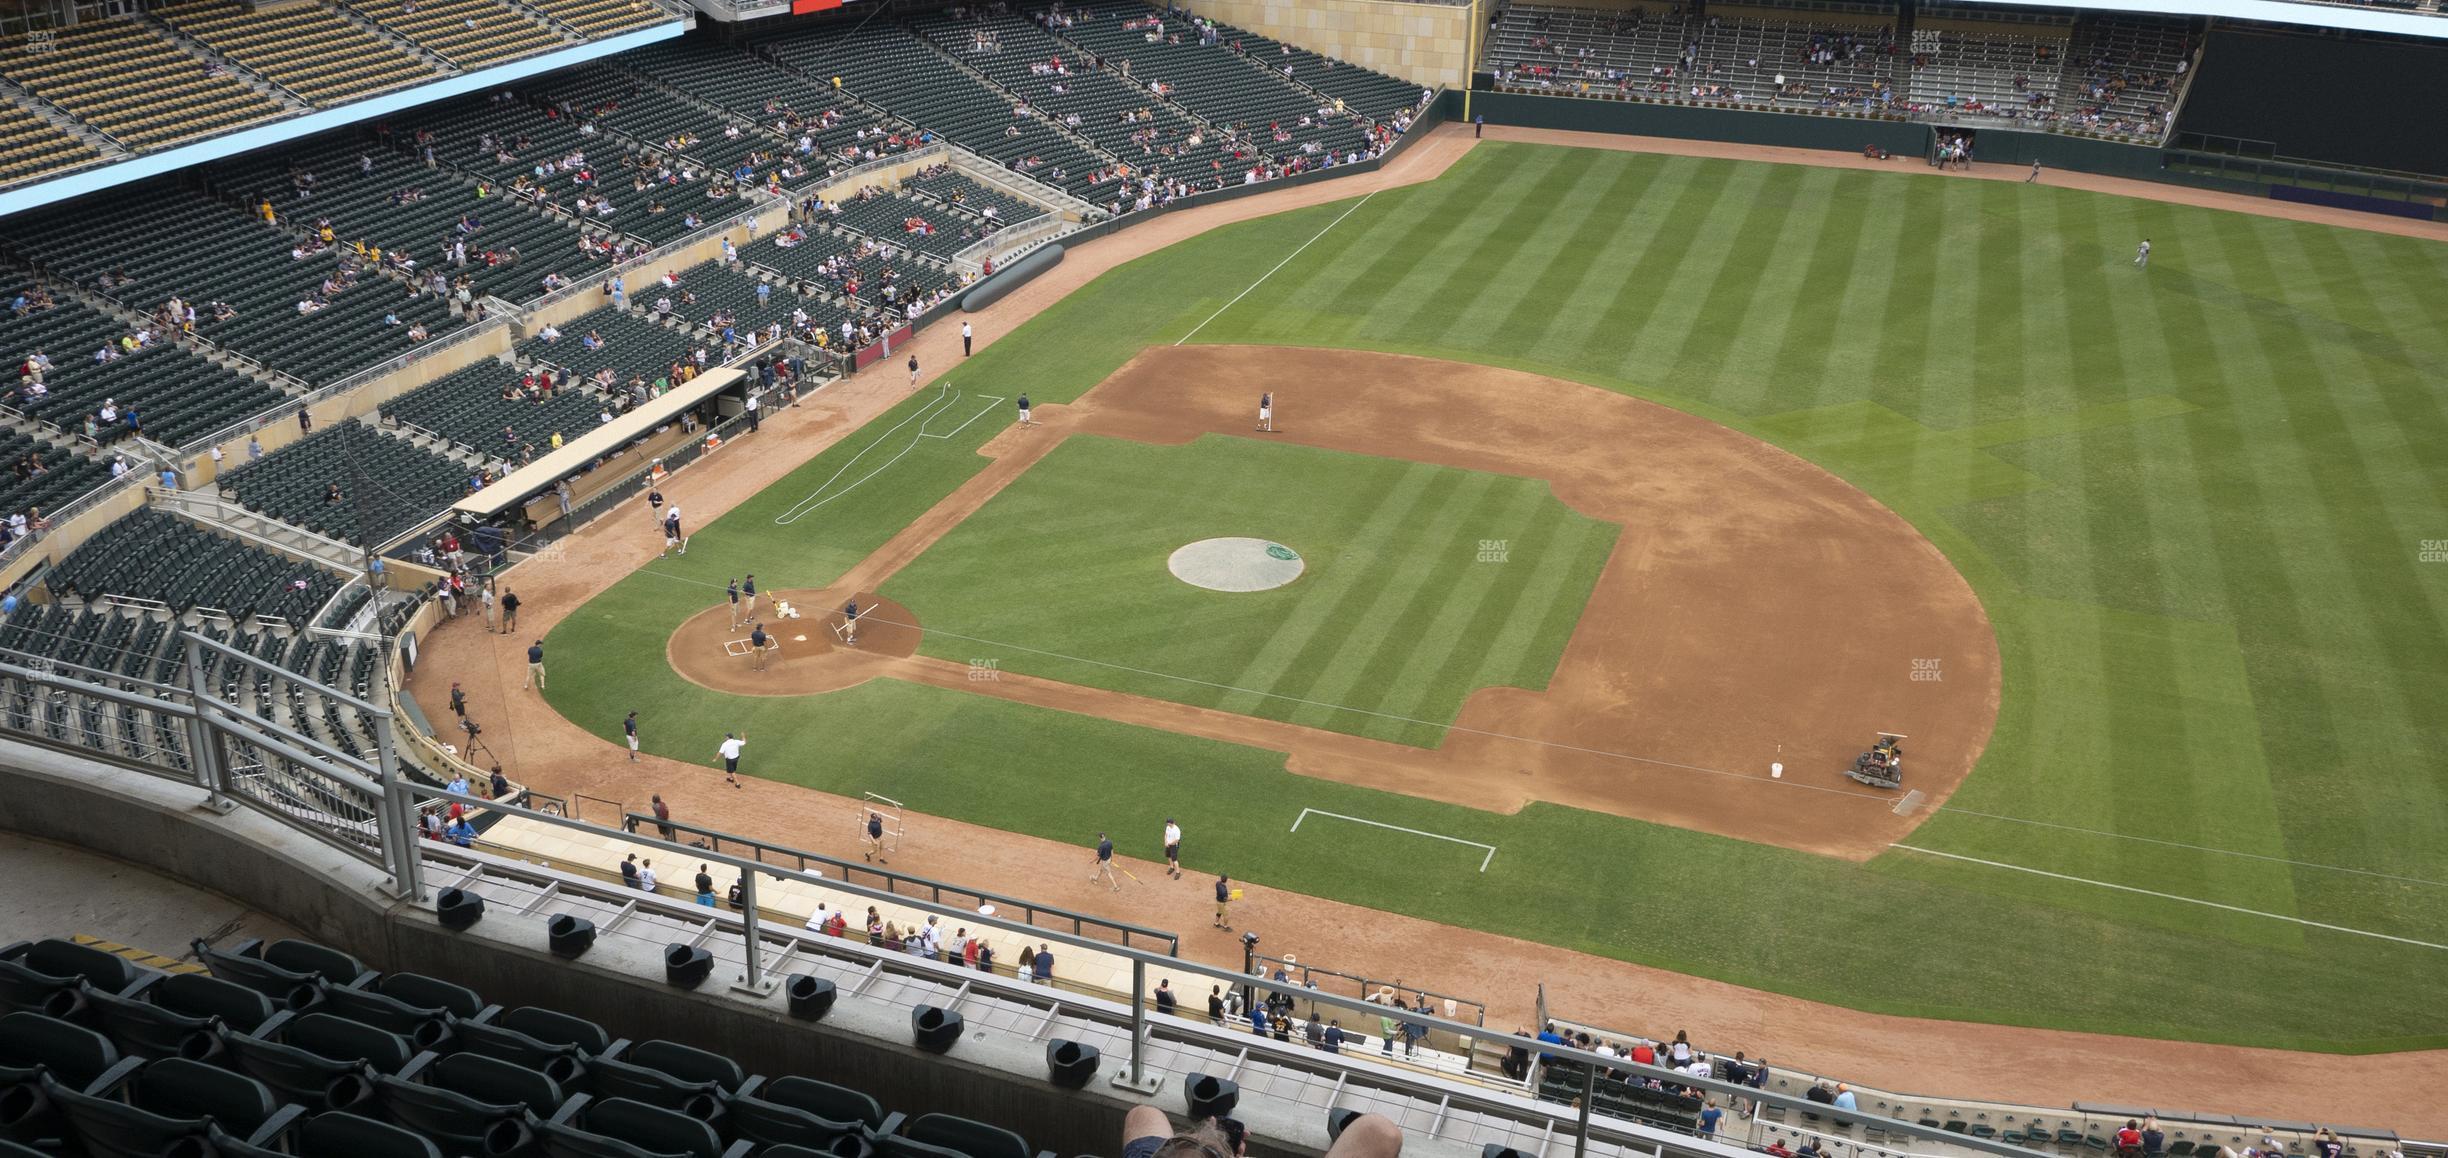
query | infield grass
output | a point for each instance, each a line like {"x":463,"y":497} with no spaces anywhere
{"x":1394,"y":620}
{"x":2195,"y":501}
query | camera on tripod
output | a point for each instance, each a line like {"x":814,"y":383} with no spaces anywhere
{"x":471,"y":727}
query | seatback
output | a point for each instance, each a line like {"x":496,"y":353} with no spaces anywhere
{"x":149,"y":1030}
{"x":179,"y":1088}
{"x":612,"y":1078}
{"x":559,"y":1061}
{"x":770,"y":1123}
{"x":296,"y":1074}
{"x":321,"y":960}
{"x":975,"y":1139}
{"x":653,"y":1128}
{"x":494,"y":1081}
{"x":825,"y":1100}
{"x":288,"y":988}
{"x":106,"y":1128}
{"x":77,"y":1054}
{"x":204,"y":995}
{"x":338,"y":1037}
{"x":559,"y":1028}
{"x":454,"y":1119}
{"x":687,"y":1063}
{"x":424,"y":1028}
{"x":429,"y":993}
{"x":339,"y":1133}
{"x":897,"y":1146}
{"x":560,"y":1140}
{"x":104,"y":971}
{"x":32,"y":990}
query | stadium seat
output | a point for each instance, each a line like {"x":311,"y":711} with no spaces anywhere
{"x":458,"y":1120}
{"x":413,"y":989}
{"x":963,"y":1136}
{"x":169,"y":1101}
{"x":332,"y":965}
{"x":771,"y":1122}
{"x":828,"y":1102}
{"x":148,"y":1030}
{"x":298,"y":1074}
{"x":79,"y":1057}
{"x":620,"y":1128}
{"x":496,"y":1081}
{"x":50,"y":976}
{"x":201,"y":995}
{"x":288,"y":988}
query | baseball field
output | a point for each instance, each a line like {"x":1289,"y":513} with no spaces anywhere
{"x":1619,"y":478}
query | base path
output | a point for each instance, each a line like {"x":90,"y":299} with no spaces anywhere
{"x":1959,"y":1059}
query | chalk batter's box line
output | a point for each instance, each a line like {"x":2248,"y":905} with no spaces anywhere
{"x":1483,"y":861}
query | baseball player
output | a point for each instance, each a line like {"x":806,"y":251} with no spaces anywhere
{"x":1025,"y":420}
{"x":672,"y":538}
{"x":1266,"y":411}
{"x":850,"y":614}
{"x":1104,"y":863}
{"x":629,"y":726}
{"x":2142,"y":255}
{"x":1172,"y":847}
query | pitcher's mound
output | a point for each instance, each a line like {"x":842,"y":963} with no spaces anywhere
{"x":810,"y":654}
{"x":1235,"y":564}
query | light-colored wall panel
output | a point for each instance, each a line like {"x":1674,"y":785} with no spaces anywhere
{"x":1427,"y":43}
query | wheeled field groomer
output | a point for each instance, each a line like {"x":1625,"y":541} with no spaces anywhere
{"x":1883,"y":765}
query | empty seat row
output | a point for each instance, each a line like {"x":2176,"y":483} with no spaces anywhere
{"x":350,"y":482}
{"x":293,"y":1047}
{"x":129,"y":81}
{"x":306,"y":48}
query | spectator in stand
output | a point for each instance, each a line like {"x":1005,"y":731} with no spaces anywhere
{"x":2129,"y":1140}
{"x":1845,"y":1100}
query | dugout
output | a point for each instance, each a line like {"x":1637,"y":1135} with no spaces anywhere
{"x":605,"y":457}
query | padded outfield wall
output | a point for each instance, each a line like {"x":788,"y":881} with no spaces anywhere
{"x":1799,"y":130}
{"x":2366,"y":103}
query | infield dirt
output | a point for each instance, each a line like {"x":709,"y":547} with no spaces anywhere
{"x":1756,"y":609}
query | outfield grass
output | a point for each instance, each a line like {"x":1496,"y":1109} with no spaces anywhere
{"x":1392,"y":623}
{"x":2192,"y":499}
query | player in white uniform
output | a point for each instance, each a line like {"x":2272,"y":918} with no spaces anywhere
{"x":2142,"y":255}
{"x":1266,"y":411}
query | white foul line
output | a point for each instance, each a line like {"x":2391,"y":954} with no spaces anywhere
{"x":2170,"y":897}
{"x":1270,"y":273}
{"x":934,"y":409}
{"x":1483,"y":861}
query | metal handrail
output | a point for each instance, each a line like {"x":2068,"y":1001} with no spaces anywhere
{"x":1589,"y":1063}
{"x":895,"y":881}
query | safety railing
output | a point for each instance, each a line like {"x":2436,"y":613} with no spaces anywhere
{"x":907,"y":885}
{"x":1577,"y":1120}
{"x":1305,"y":974}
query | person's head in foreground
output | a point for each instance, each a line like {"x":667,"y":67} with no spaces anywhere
{"x":1148,"y":1133}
